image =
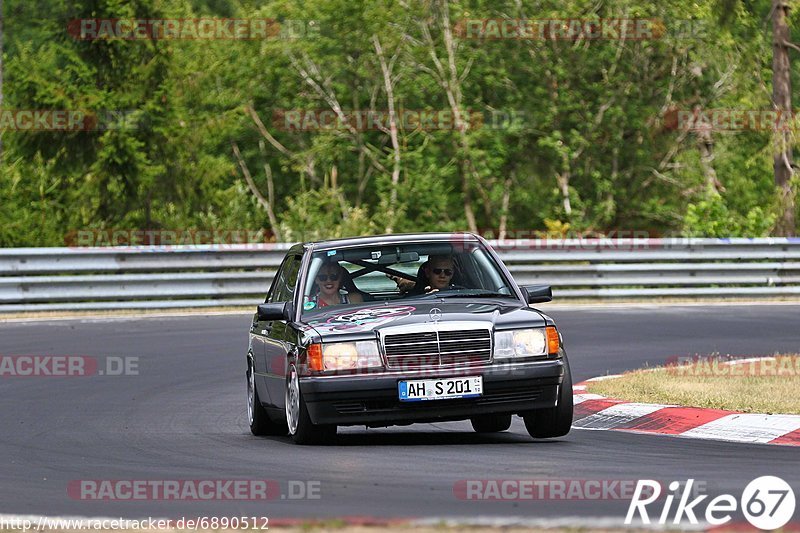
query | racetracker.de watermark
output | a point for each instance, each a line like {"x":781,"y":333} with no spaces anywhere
{"x":734,"y":367}
{"x":544,"y":489}
{"x":574,"y":29}
{"x":27,"y":366}
{"x":67,"y":120}
{"x":404,"y":119}
{"x":614,"y":240}
{"x":191,"y":29}
{"x":168,"y":238}
{"x":731,"y":120}
{"x":192,"y":489}
{"x":44,"y":523}
{"x":419,"y":366}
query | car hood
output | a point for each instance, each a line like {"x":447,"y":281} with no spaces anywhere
{"x":363,"y":321}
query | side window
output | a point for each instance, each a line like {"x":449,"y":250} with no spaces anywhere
{"x":277,"y":281}
{"x":284,"y":292}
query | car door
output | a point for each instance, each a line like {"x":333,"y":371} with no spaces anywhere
{"x":280,"y":337}
{"x":259,"y":334}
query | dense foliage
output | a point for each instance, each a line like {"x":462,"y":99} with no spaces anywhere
{"x":576,"y":135}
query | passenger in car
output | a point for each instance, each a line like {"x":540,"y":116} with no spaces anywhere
{"x":328,"y":290}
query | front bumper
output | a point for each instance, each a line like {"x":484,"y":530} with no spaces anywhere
{"x":372,"y":399}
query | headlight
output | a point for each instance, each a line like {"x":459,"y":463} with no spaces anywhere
{"x":520,"y":343}
{"x":350,"y":355}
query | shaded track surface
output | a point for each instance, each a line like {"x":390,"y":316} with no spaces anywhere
{"x":183,"y":417}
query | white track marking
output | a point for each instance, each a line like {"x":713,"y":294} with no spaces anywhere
{"x":603,"y":378}
{"x":580,"y":398}
{"x":746,"y":428}
{"x":736,"y":427}
{"x":748,"y":360}
{"x":617,"y":415}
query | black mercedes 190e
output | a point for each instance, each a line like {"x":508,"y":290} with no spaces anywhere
{"x":397,"y":329}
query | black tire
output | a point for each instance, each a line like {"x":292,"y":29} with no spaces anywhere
{"x":553,"y":421}
{"x":301,"y":428}
{"x":490,"y":423}
{"x":260,"y":422}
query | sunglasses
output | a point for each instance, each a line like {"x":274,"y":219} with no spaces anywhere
{"x":325,"y":277}
{"x":447,"y":271}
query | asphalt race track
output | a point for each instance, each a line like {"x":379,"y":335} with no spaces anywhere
{"x":184,"y":417}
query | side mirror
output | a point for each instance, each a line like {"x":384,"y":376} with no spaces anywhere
{"x":274,"y":311}
{"x":535,"y":294}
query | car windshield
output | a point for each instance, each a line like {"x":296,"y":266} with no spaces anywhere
{"x":377,"y":272}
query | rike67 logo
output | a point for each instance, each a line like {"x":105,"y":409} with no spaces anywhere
{"x":768,"y":503}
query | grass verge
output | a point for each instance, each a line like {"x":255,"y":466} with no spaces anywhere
{"x":756,"y":385}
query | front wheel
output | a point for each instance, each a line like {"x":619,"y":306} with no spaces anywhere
{"x":490,"y":423}
{"x":553,"y":421}
{"x":301,"y":428}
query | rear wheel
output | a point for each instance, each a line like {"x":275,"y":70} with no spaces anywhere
{"x":301,"y":428}
{"x":260,"y":422}
{"x":553,"y":421}
{"x":490,"y":423}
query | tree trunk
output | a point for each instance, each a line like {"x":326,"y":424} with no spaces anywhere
{"x":705,"y":144}
{"x":1,"y":75}
{"x":451,"y":81}
{"x":563,"y":185}
{"x":388,"y":86}
{"x":501,"y":235}
{"x":267,"y":204}
{"x":782,"y":101}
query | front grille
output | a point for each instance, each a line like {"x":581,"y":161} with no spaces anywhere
{"x":346,"y":408}
{"x":530,"y":394}
{"x":431,"y":349}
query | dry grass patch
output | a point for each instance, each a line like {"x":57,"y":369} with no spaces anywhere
{"x":765,"y":385}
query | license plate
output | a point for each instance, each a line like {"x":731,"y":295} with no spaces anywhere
{"x":440,"y":389}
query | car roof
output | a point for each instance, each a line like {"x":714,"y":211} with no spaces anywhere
{"x":392,"y":238}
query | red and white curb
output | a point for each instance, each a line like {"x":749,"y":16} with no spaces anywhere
{"x":596,"y":412}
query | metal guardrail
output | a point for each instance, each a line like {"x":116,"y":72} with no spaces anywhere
{"x":40,"y":279}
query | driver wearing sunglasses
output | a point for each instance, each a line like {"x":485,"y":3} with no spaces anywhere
{"x":329,"y":287}
{"x":435,"y":274}
{"x":439,"y":271}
